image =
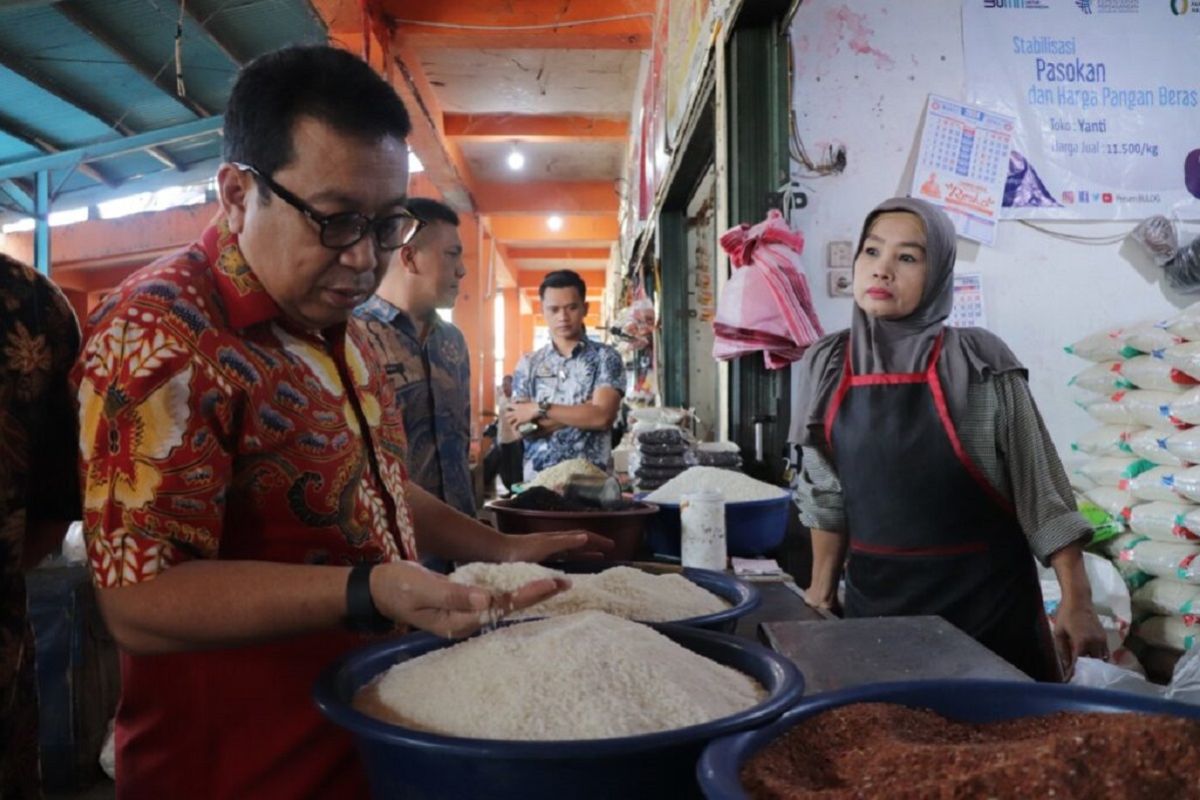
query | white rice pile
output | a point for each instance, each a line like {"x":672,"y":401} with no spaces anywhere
{"x":734,"y":486}
{"x":561,"y":474}
{"x":585,"y":676}
{"x":621,"y":591}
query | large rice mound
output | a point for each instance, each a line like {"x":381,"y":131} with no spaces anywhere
{"x":585,"y":676}
{"x":621,"y":591}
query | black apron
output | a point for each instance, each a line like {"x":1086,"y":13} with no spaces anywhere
{"x":928,"y":533}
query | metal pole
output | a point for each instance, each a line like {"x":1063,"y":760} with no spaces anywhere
{"x":41,"y":223}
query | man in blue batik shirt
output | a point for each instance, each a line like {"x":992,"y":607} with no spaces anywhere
{"x":570,"y":389}
{"x":426,"y":357}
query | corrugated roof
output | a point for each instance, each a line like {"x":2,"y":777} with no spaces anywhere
{"x":75,"y":73}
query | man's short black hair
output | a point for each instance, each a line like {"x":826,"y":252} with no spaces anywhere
{"x":563,"y":279}
{"x":328,"y":84}
{"x":430,"y":211}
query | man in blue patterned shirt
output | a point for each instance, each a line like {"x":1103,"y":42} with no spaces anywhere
{"x":570,"y":389}
{"x":426,"y":357}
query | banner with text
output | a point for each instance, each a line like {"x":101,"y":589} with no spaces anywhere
{"x":1107,"y":101}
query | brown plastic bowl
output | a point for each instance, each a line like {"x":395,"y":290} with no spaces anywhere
{"x":625,"y":528}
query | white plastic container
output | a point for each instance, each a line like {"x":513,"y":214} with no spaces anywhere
{"x":702,"y":530}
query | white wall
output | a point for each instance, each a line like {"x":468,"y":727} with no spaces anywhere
{"x":862,"y":78}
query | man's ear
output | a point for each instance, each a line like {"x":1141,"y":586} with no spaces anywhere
{"x":407,"y":256}
{"x":585,"y":308}
{"x":233,"y":193}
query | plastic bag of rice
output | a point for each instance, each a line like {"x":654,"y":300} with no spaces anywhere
{"x":1185,"y":358}
{"x":1151,"y":444}
{"x":1186,"y":324}
{"x":1150,"y":372}
{"x":1153,"y":408}
{"x":1113,"y":501}
{"x":1186,"y":483}
{"x":1110,"y":471}
{"x":1185,"y":445}
{"x":1186,"y":407}
{"x":1102,"y":378}
{"x":557,"y":477}
{"x":1107,"y":440}
{"x":584,"y":676}
{"x":1165,"y":596}
{"x":1106,"y":345}
{"x":1153,"y":484}
{"x":1173,"y":633}
{"x":1108,"y":410}
{"x":1152,"y":338}
{"x":1163,"y":559}
{"x":625,"y":592}
{"x":1163,"y":521}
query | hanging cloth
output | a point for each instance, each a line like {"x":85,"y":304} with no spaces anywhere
{"x":766,"y":304}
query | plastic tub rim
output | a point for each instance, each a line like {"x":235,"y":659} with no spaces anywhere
{"x":719,"y":783}
{"x":360,"y":725}
{"x":644,"y":508}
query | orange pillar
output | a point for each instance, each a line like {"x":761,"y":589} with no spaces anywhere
{"x":467,"y":309}
{"x":512,"y":330}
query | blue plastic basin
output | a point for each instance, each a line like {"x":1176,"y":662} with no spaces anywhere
{"x":754,"y":528}
{"x":960,"y":700}
{"x":741,"y":596}
{"x":404,"y":763}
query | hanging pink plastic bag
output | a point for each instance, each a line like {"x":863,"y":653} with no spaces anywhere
{"x":766,"y":305}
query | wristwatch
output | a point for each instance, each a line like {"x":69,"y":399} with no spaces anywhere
{"x":543,"y":409}
{"x":362,"y":616}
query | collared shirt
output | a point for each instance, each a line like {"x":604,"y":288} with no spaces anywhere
{"x":432,"y":382}
{"x":547,"y":375}
{"x":212,"y":427}
{"x":39,"y":340}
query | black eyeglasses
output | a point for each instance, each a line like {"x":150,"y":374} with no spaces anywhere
{"x":346,"y":229}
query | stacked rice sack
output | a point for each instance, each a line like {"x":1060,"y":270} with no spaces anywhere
{"x":661,"y":453}
{"x":1141,"y":482}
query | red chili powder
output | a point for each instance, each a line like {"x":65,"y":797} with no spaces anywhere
{"x":889,"y":751}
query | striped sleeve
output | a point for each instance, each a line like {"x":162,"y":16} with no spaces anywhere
{"x":818,"y":492}
{"x":1037,"y":482}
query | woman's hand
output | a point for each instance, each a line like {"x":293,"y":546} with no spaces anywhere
{"x":1077,"y":629}
{"x":412,"y":595}
{"x":1077,"y":632}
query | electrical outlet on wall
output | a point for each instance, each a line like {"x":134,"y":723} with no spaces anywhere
{"x":841,"y":283}
{"x":841,"y":255}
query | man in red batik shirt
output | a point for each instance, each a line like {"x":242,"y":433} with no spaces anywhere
{"x":247,"y":510}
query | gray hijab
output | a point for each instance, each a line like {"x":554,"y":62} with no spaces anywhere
{"x":902,"y":345}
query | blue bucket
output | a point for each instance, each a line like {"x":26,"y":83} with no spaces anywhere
{"x":742,"y":597}
{"x":405,"y":763}
{"x":959,"y":700}
{"x":754,"y":528}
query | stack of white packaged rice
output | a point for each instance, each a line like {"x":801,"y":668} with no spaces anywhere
{"x":1141,"y":481}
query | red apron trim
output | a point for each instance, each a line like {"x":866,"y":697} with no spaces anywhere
{"x":916,"y":552}
{"x":943,"y":411}
{"x":888,"y":379}
{"x":838,"y":397}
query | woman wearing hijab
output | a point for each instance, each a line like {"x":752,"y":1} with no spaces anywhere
{"x":924,"y":455}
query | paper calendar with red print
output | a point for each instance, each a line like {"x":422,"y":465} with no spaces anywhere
{"x":963,"y":164}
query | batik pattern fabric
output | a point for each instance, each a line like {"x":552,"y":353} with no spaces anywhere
{"x":431,"y":378}
{"x":214,"y":427}
{"x":39,"y":340}
{"x":547,"y":375}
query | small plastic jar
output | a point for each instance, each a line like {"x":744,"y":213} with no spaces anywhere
{"x":702,"y":527}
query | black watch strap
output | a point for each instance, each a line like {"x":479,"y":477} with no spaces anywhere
{"x":361,"y":614}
